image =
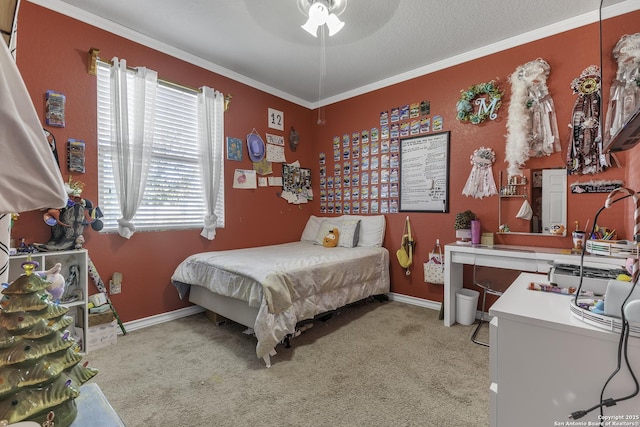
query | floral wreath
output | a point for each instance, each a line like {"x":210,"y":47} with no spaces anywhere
{"x":465,"y":109}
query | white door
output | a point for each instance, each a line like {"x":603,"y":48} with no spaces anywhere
{"x":554,"y":201}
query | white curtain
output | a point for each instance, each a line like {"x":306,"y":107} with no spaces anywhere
{"x":29,"y":175}
{"x":211,"y":147}
{"x":133,"y":97}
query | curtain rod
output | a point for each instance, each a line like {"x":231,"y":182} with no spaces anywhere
{"x":94,"y":59}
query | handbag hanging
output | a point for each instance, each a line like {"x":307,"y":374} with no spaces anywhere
{"x":405,"y":253}
{"x":434,"y":267}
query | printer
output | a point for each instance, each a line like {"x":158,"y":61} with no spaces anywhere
{"x":595,"y":276}
{"x":602,"y":281}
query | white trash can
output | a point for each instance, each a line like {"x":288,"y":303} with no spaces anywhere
{"x":466,"y":306}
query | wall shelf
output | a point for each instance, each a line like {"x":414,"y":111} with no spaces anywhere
{"x":75,"y":295}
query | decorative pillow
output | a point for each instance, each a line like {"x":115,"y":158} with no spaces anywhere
{"x":311,"y":229}
{"x":349,"y":233}
{"x":348,"y":230}
{"x":372,"y":228}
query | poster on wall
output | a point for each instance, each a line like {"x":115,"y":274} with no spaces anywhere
{"x":296,"y":183}
{"x":424,"y":173}
{"x":234,"y":149}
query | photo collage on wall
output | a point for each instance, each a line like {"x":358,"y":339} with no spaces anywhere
{"x":365,"y":178}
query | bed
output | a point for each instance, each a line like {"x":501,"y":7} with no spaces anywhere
{"x":273,"y":289}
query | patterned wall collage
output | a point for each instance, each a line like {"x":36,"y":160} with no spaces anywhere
{"x":365,"y":178}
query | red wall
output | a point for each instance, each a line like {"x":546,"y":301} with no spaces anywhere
{"x":57,"y":60}
{"x":568,"y":54}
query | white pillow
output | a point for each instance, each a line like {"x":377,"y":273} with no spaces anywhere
{"x":348,"y":230}
{"x":311,"y":229}
{"x":372,"y":228}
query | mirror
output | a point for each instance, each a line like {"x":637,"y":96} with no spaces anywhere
{"x":534,"y":203}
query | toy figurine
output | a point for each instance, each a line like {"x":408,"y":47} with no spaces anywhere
{"x":331,"y":239}
{"x":57,"y":280}
{"x":67,"y":224}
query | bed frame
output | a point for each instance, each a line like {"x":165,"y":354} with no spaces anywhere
{"x":240,"y":312}
{"x":231,"y":308}
{"x":365,"y":282}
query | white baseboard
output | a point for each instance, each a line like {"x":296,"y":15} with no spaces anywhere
{"x":434,"y":305}
{"x":194,"y":309}
{"x":161,"y":318}
{"x":420,"y":302}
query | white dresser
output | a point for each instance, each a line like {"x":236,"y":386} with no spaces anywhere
{"x":546,"y":364}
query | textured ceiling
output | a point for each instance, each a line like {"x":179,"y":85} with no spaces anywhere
{"x":260,"y":42}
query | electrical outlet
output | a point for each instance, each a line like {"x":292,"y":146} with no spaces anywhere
{"x":114,"y":288}
{"x":115,"y":284}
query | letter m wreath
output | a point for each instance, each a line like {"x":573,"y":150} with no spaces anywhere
{"x":488,"y":98}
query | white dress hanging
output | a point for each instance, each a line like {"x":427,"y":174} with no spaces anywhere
{"x":480,"y":182}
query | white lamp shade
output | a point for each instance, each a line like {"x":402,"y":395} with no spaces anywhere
{"x":334,"y":23}
{"x":318,"y":15}
{"x":318,"y":12}
{"x":311,"y":27}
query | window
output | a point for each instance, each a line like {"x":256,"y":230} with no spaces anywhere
{"x":173,"y":197}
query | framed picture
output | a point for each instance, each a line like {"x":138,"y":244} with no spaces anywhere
{"x":424,"y":173}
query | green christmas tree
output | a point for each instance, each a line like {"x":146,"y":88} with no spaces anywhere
{"x":40,"y":370}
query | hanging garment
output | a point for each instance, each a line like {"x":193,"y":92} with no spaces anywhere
{"x":480,"y":182}
{"x":584,"y":150}
{"x":532,"y":127}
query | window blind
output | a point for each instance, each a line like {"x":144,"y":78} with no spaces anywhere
{"x":173,"y":197}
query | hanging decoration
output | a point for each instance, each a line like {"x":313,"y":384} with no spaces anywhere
{"x":625,"y":90}
{"x":585,"y":145}
{"x":532,"y":127}
{"x":480,"y":182}
{"x":480,"y":95}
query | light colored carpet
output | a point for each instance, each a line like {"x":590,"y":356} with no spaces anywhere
{"x":372,"y":364}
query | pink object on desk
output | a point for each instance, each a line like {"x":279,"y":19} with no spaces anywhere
{"x":475,"y":232}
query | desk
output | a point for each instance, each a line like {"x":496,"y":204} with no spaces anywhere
{"x":545,"y":363}
{"x":523,"y":258}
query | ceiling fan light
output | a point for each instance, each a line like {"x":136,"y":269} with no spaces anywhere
{"x":318,"y":12}
{"x":311,"y":27}
{"x":318,"y":15}
{"x":334,"y":23}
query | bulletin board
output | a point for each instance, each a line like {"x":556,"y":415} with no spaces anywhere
{"x":424,"y":173}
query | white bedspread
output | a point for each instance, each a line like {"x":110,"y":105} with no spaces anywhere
{"x":289,"y":282}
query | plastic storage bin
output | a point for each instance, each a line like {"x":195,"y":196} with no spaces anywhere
{"x":466,"y":306}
